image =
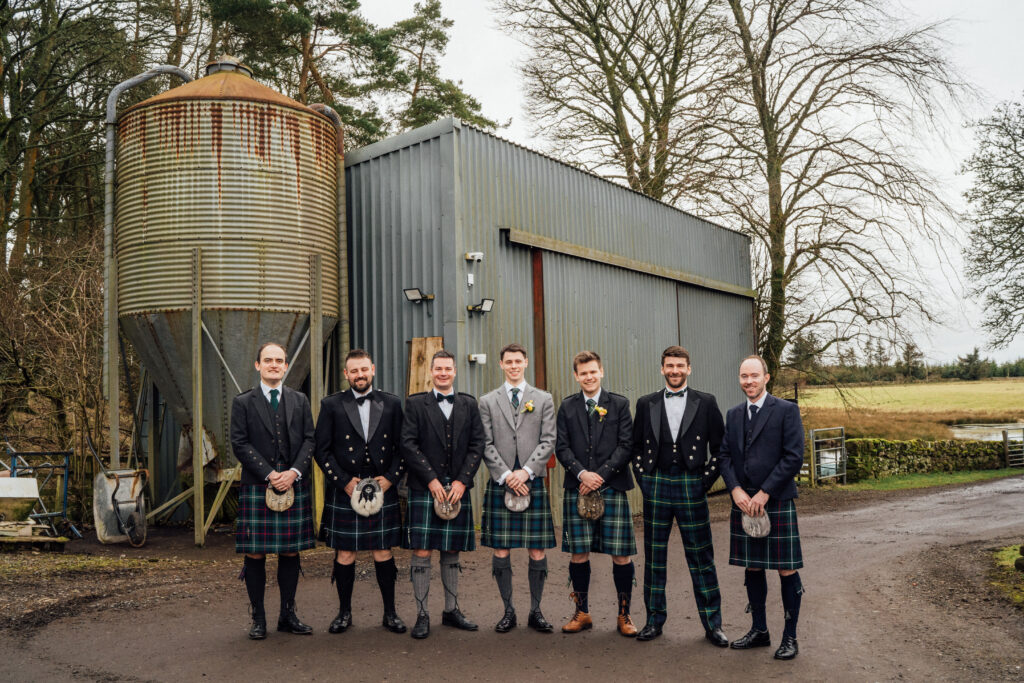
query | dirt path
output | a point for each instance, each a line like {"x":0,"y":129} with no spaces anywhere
{"x":895,"y":591}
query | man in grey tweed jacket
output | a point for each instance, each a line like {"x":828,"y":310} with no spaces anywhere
{"x":519,"y":428}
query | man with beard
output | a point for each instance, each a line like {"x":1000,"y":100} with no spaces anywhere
{"x":357,"y":438}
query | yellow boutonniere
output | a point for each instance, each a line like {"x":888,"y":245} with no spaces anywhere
{"x":527,"y":407}
{"x":601,"y":412}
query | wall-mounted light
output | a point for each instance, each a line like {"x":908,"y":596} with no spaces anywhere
{"x":484,"y":306}
{"x":416,"y":296}
{"x":478,"y":358}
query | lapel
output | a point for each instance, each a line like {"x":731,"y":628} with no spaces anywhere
{"x":505,"y":406}
{"x":263,"y":408}
{"x":348,"y":400}
{"x":459,"y":413}
{"x":435,"y":416}
{"x":692,"y":403}
{"x":376,"y":411}
{"x":581,"y":415}
{"x":528,"y":395}
{"x":762,"y":416}
{"x":599,"y":422}
{"x":657,"y":407}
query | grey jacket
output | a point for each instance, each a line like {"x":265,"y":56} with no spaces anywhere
{"x":528,"y":434}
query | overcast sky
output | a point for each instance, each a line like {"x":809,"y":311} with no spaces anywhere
{"x":984,"y":42}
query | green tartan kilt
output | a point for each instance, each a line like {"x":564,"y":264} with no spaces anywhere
{"x":611,"y":535}
{"x":780,"y":549}
{"x":258,"y":529}
{"x":424,"y":530}
{"x":531,"y":528}
{"x":342,"y":528}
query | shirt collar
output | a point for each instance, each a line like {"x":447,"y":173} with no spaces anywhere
{"x":596,"y":397}
{"x":760,"y":402}
{"x":685,"y":387}
{"x":358,"y":395}
{"x":438,"y":393}
{"x":521,"y":387}
{"x":266,"y":390}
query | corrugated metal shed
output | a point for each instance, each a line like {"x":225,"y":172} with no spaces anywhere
{"x":621,"y":274}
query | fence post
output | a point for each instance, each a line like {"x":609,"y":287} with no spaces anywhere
{"x":1006,"y":448}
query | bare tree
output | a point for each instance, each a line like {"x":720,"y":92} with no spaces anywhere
{"x":626,"y":88}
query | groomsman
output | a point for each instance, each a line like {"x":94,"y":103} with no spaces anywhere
{"x":593,"y":444}
{"x":442,"y":444}
{"x":762,"y":452}
{"x":272,"y":437}
{"x":519,"y":426}
{"x":357,"y":437}
{"x":676,"y":437}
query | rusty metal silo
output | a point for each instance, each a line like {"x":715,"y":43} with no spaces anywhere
{"x":227,"y":207}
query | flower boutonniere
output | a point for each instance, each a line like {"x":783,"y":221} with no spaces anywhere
{"x":601,"y":412}
{"x":527,"y":407}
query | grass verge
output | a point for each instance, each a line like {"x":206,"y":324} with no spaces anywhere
{"x":1005,"y":578}
{"x":921,"y":481}
{"x":40,"y":566}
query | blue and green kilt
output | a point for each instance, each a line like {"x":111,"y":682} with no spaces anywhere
{"x":424,"y":530}
{"x":780,"y":549}
{"x":258,"y":529}
{"x":342,"y":528}
{"x":531,"y":528}
{"x":611,"y":535}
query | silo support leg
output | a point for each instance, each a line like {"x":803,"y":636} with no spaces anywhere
{"x":225,"y":486}
{"x":170,"y":506}
{"x":197,"y":397}
{"x":316,"y":372}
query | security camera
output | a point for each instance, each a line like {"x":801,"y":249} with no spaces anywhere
{"x":475,"y":256}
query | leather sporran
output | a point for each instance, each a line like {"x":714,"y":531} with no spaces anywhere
{"x":446,"y":510}
{"x":367,"y":497}
{"x":515,"y":502}
{"x":757,"y":527}
{"x":279,"y":501}
{"x":590,"y":505}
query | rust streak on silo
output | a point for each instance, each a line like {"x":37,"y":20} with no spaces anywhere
{"x":294,"y":133}
{"x":217,"y":140}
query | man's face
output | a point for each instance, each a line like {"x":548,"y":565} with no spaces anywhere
{"x":272,"y":365}
{"x":753,"y":378}
{"x":514,"y":365}
{"x":359,"y":372}
{"x":676,"y":371}
{"x":589,"y":376}
{"x":442,"y":374}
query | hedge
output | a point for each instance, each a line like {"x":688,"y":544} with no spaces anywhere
{"x":877,"y":458}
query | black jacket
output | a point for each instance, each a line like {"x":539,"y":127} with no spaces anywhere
{"x":423,"y":440}
{"x":252,"y":433}
{"x":700,"y":434}
{"x":341,"y":449}
{"x":775,"y":454}
{"x":612,"y":434}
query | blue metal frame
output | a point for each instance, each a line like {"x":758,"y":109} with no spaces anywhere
{"x":20,"y":464}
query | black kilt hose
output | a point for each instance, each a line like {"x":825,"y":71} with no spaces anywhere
{"x":342,"y":528}
{"x":611,"y":535}
{"x":424,"y":530}
{"x":531,"y":528}
{"x":780,"y":549}
{"x":258,"y":529}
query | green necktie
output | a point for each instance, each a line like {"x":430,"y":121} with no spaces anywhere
{"x":273,"y":398}
{"x":590,"y":406}
{"x":515,"y":398}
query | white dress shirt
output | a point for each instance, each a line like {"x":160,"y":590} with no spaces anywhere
{"x":364,"y":412}
{"x":280,"y":393}
{"x":675,"y":406}
{"x":445,"y":406}
{"x":759,"y":403}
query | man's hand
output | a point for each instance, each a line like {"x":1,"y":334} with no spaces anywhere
{"x":742,"y":500}
{"x":436,"y":490}
{"x":756,"y":504}
{"x":284,"y":480}
{"x":455,"y":495}
{"x":350,"y":487}
{"x":384,"y":483}
{"x":590,"y":481}
{"x":517,"y":481}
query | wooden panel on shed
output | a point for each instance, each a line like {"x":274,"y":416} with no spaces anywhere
{"x":421,"y":350}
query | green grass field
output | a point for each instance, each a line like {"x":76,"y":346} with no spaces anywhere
{"x":985,"y":396}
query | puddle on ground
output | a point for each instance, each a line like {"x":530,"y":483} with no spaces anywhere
{"x":988,"y":432}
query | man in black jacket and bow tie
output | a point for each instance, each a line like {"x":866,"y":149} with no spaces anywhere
{"x":272,"y":438}
{"x":357,"y":437}
{"x":677,"y":432}
{"x":442,"y":444}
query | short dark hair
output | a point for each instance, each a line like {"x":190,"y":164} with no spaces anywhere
{"x":259,"y":352}
{"x":512,"y":348}
{"x":754,"y":356}
{"x":356,"y":354}
{"x":675,"y":351}
{"x":443,"y":353}
{"x":585,"y":357}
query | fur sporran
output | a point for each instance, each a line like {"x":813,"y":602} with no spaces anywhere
{"x":590,"y":505}
{"x":757,"y":527}
{"x":367,"y":497}
{"x":446,"y":510}
{"x":279,"y":501}
{"x":515,"y":502}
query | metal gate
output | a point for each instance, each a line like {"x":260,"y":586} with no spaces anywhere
{"x":828,"y":453}
{"x":1013,"y":449}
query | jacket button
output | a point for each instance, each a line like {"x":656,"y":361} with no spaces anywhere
{"x":347,"y":436}
{"x":698,"y":438}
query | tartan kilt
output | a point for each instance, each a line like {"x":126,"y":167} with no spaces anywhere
{"x":258,"y":529}
{"x":342,"y":528}
{"x":780,"y":549}
{"x":611,"y":535}
{"x":531,"y":528}
{"x":424,"y":530}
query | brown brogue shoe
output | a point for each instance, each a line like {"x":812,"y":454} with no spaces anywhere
{"x":626,"y":626}
{"x":580,"y":621}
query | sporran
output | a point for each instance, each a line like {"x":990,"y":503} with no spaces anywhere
{"x":279,"y":501}
{"x":367,"y":497}
{"x":757,"y":527}
{"x":590,"y":505}
{"x":515,"y":502}
{"x":445,"y":509}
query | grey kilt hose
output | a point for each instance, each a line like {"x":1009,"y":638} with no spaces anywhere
{"x":780,"y":549}
{"x":424,"y":530}
{"x":680,"y":499}
{"x":258,"y":529}
{"x":531,"y":528}
{"x":342,"y":528}
{"x":611,"y":535}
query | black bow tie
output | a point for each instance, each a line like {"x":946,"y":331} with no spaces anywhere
{"x":446,"y":397}
{"x":670,"y":394}
{"x":363,"y":399}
